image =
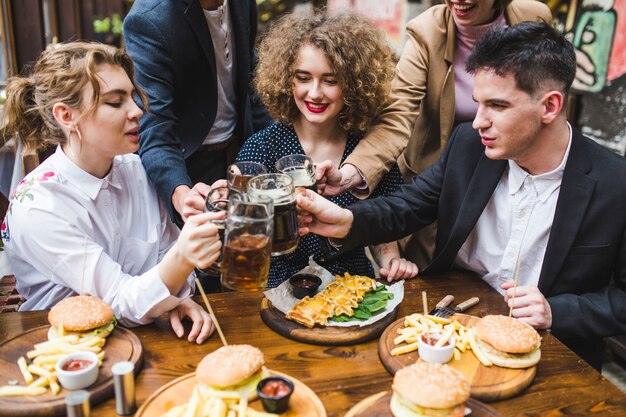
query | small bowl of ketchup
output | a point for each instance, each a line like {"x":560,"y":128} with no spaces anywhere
{"x":305,"y":284}
{"x":429,"y":350}
{"x":274,"y":393}
{"x":77,"y":370}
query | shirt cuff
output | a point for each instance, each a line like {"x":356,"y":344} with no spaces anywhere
{"x":154,"y":299}
{"x":364,"y":186}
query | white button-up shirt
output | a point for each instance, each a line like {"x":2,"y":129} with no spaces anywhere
{"x":514,"y":227}
{"x":68,"y":232}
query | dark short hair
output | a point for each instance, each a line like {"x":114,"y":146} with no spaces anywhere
{"x":533,"y":52}
{"x":500,"y":5}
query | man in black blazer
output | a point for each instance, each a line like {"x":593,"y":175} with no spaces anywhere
{"x":572,"y":251}
{"x":184,"y":144}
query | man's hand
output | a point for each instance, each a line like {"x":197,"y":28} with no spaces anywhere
{"x":529,"y":305}
{"x":189,"y":201}
{"x":202,"y":326}
{"x":331,"y":181}
{"x":321,"y":216}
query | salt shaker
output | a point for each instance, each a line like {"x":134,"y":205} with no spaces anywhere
{"x":77,"y":404}
{"x":124,"y":382}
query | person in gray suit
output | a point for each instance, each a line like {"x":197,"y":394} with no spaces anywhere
{"x":520,"y":196}
{"x":194,"y":60}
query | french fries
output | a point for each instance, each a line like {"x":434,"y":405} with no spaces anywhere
{"x":43,"y":359}
{"x":416,"y":324}
{"x":215,"y":406}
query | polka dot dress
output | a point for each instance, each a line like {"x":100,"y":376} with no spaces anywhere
{"x":278,"y":140}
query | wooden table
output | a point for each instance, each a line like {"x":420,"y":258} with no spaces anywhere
{"x":341,"y":376}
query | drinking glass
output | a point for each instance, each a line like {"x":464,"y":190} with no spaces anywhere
{"x":239,"y":173}
{"x":216,"y":201}
{"x":280,"y":188}
{"x":300,"y":168}
{"x":247,"y":243}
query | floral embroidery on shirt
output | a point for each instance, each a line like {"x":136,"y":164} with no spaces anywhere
{"x":4,"y":229}
{"x":26,"y":185}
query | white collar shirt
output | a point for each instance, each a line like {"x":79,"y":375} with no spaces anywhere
{"x":68,"y":232}
{"x":514,"y":227}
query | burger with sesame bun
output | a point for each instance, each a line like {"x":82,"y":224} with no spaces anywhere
{"x":231,"y":370}
{"x":508,"y":342}
{"x":82,"y":315}
{"x":427,"y":390}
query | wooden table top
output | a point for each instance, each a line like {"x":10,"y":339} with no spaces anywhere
{"x":342,"y":376}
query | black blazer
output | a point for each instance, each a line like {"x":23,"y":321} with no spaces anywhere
{"x":584,"y":269}
{"x":170,"y":42}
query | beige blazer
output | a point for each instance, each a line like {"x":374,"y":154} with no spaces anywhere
{"x":414,"y":128}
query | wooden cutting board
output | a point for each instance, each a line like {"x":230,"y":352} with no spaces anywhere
{"x":303,"y":402}
{"x":488,"y":383}
{"x":377,"y":405}
{"x":326,"y":336}
{"x":121,"y":345}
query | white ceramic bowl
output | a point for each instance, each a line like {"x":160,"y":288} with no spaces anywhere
{"x":81,"y":378}
{"x":432,"y":354}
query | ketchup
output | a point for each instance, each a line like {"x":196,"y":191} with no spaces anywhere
{"x":434,"y":338}
{"x":275,"y":389}
{"x":76,"y":364}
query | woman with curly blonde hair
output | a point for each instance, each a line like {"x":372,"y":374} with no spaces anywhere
{"x":324,"y":79}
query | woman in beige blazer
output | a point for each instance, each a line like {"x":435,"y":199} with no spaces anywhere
{"x":415,"y":127}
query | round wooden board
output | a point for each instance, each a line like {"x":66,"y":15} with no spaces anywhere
{"x":303,"y":402}
{"x":377,"y":405}
{"x":326,"y":336}
{"x":121,"y":345}
{"x":488,"y":383}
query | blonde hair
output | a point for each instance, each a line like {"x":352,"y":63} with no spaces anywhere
{"x":356,"y":50}
{"x":58,"y":77}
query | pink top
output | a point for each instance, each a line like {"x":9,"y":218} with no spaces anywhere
{"x":466,"y":37}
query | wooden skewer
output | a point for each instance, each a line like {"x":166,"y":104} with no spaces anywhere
{"x":210,"y":310}
{"x":514,"y":286}
{"x":425,"y":306}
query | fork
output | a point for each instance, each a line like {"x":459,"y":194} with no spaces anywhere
{"x":446,"y":312}
{"x":444,"y":302}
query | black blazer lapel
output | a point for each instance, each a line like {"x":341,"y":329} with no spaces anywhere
{"x":240,"y":22}
{"x":479,"y":191}
{"x":574,"y":197}
{"x":195,"y":17}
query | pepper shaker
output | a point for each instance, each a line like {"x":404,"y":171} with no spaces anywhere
{"x":77,"y":404}
{"x":124,"y":382}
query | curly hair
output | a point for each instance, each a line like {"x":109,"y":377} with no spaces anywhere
{"x":356,"y":51}
{"x":58,"y":77}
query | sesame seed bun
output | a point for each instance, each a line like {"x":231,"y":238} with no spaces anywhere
{"x":507,"y":334}
{"x":80,"y":313}
{"x":229,"y":365}
{"x":430,"y":386}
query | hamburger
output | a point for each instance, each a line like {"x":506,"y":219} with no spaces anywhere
{"x":82,"y":315}
{"x":232,"y":370}
{"x":508,"y":342}
{"x":427,"y":390}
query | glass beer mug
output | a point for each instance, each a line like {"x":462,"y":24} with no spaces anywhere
{"x":239,"y":173}
{"x":300,"y":168}
{"x":280,"y":188}
{"x":247,"y":243}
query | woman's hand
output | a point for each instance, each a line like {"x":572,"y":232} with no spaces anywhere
{"x":202,"y":326}
{"x":392,"y":266}
{"x":199,"y":243}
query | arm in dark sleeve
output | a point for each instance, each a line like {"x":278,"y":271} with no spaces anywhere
{"x":160,"y":148}
{"x":411,"y":207}
{"x":600,"y":313}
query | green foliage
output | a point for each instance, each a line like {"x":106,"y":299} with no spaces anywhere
{"x":112,"y":24}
